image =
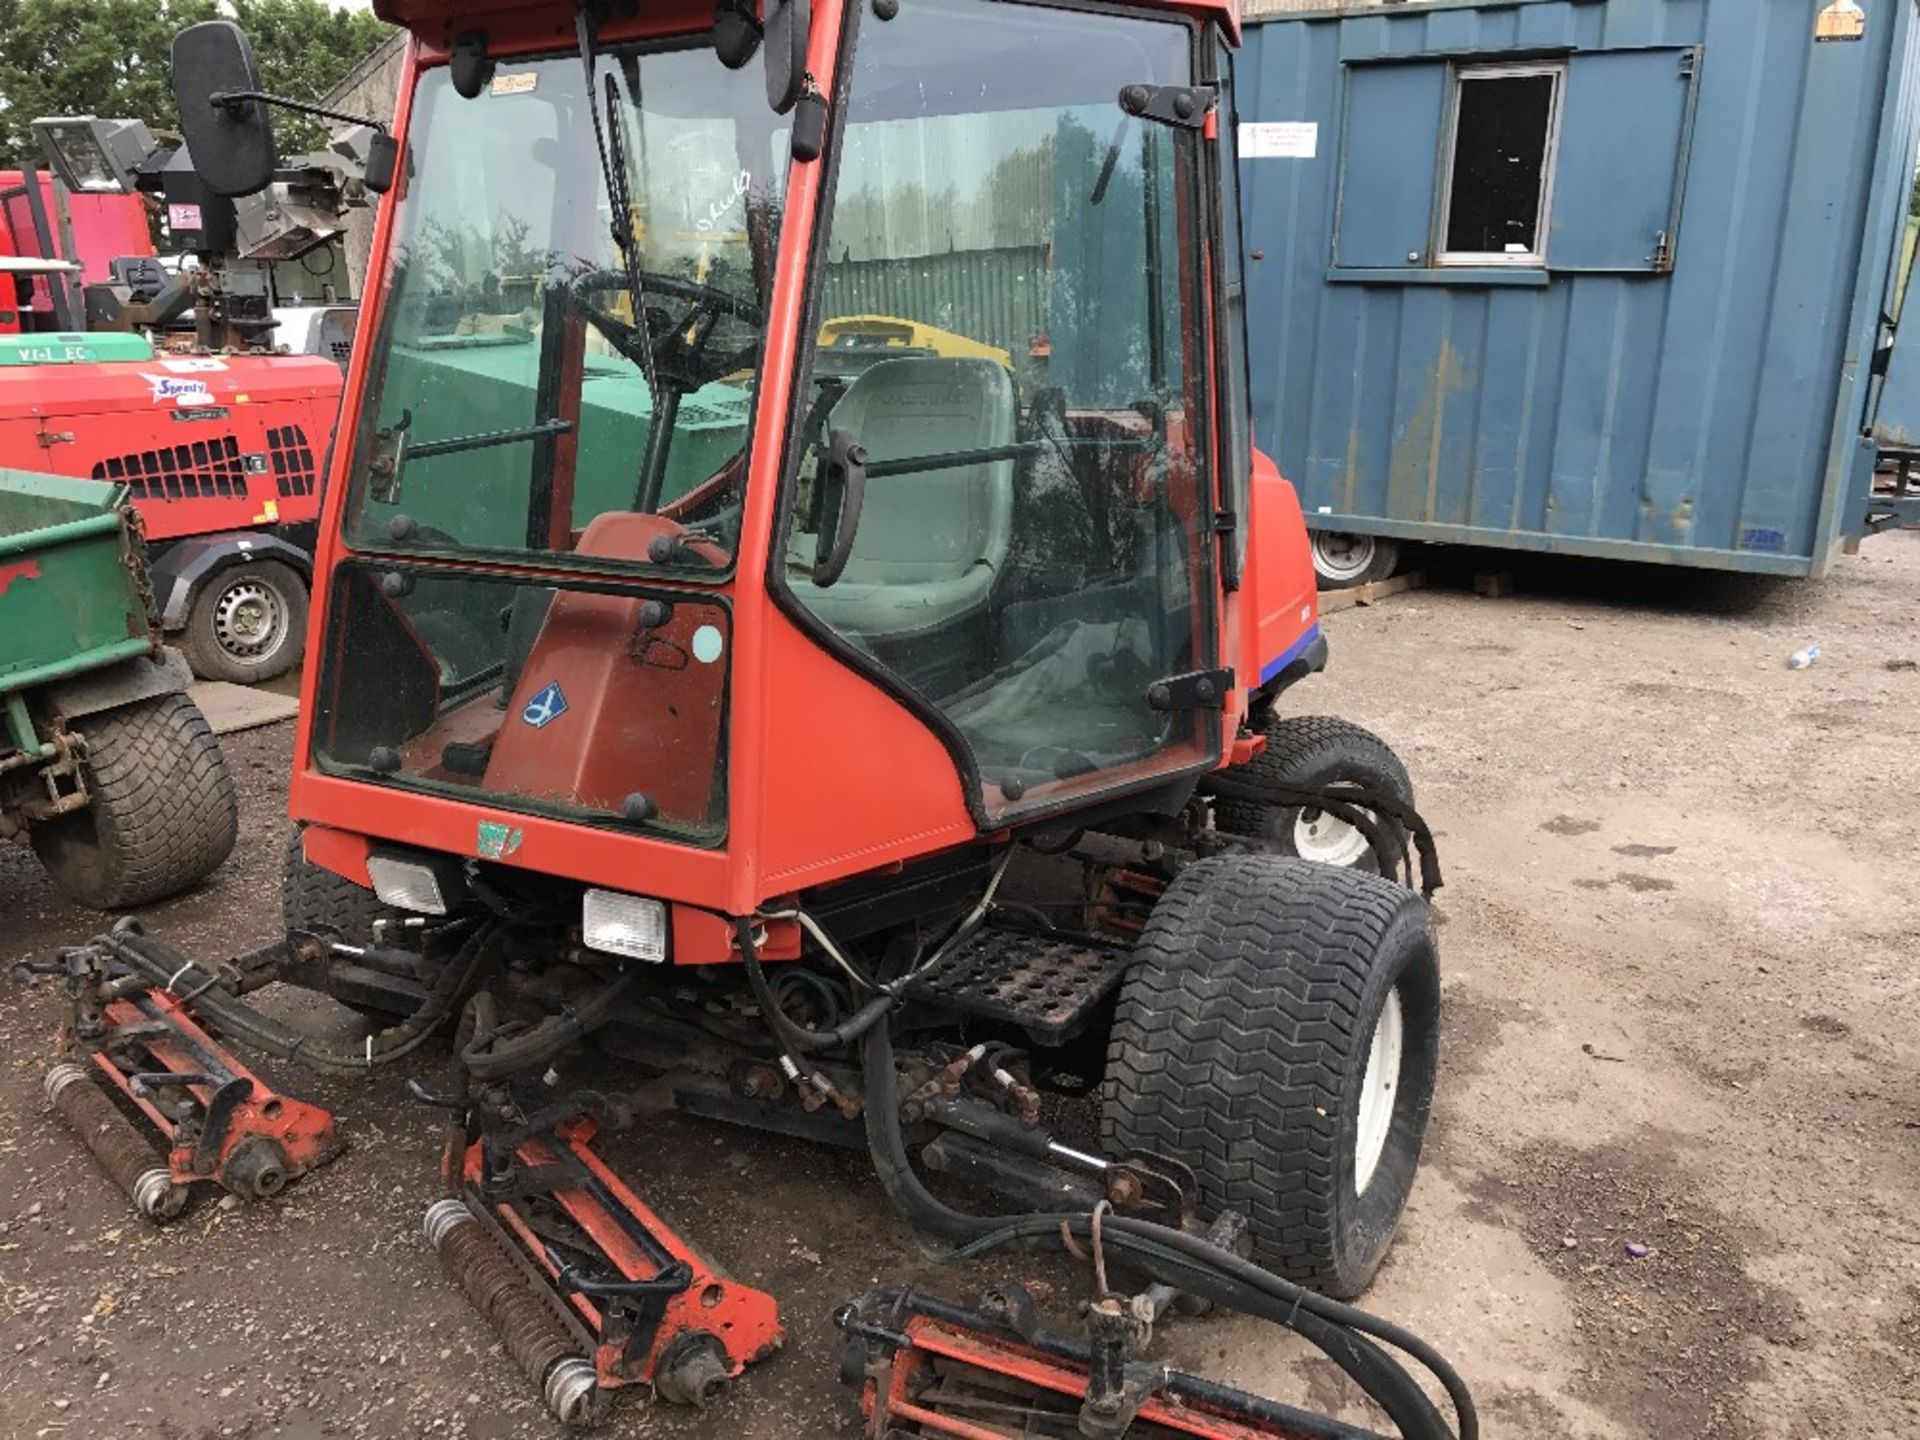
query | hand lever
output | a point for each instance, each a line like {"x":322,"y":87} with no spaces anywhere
{"x":843,"y":491}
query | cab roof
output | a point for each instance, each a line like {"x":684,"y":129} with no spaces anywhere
{"x":437,"y":21}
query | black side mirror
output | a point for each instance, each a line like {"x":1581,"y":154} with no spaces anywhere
{"x":231,"y":140}
{"x":383,"y":159}
{"x":736,"y":32}
{"x":787,"y":25}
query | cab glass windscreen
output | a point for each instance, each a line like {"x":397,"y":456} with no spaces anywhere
{"x":573,"y":329}
{"x":596,"y":702}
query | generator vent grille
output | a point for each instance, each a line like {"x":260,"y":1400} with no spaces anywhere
{"x":292,"y":459}
{"x":197,"y":470}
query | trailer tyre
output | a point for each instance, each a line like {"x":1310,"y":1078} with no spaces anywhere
{"x":162,"y":814}
{"x":1343,"y":562}
{"x":1280,"y":1034}
{"x":1317,"y":752}
{"x":248,"y":623}
{"x":314,"y":898}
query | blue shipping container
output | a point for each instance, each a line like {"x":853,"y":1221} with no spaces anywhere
{"x":1606,"y":277}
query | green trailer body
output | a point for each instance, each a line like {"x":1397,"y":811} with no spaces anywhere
{"x":73,"y":594}
{"x":107,"y":768}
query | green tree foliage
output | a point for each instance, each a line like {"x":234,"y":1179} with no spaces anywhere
{"x":110,"y":57}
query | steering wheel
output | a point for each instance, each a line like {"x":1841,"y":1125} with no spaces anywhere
{"x":691,"y":347}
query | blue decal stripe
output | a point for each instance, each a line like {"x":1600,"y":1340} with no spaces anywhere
{"x":1293,"y":653}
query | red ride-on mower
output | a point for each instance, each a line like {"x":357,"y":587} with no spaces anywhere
{"x":889,"y":756}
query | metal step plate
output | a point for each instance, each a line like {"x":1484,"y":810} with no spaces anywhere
{"x":1047,"y":985}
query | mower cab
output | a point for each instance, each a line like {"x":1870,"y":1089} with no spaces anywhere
{"x":874,"y":752}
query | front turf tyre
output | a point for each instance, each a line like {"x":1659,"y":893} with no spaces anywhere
{"x":1279,"y":1032}
{"x":247,"y":624}
{"x":1317,"y":753}
{"x":162,"y":812}
{"x":315,"y":899}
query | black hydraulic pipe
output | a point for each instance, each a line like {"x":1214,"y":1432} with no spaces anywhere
{"x":1340,"y":1331}
{"x":794,"y":1037}
{"x":166,"y":966}
{"x":490,"y":1059}
{"x":1193,"y":1388}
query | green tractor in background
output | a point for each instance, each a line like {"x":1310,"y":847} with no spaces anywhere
{"x":107,"y":767}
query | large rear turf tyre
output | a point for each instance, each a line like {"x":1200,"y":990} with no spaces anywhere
{"x":162,"y":813}
{"x":316,"y":899}
{"x":1319,"y":753}
{"x":1279,"y":1032}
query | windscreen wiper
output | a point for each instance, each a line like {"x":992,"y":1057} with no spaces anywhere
{"x":610,"y":143}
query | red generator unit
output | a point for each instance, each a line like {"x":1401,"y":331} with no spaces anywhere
{"x":221,"y":456}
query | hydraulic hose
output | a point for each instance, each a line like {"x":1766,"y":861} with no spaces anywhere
{"x":1176,"y":1258}
{"x":488,"y":1058}
{"x":164,"y":966}
{"x":795,"y":1038}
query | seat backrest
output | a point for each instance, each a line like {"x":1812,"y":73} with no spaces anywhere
{"x":930,"y":525}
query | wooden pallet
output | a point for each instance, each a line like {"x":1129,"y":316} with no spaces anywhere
{"x":1371,"y":593}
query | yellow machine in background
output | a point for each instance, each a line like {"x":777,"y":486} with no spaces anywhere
{"x":863,"y":339}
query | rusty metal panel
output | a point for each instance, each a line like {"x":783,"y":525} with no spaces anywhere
{"x":1701,"y":406}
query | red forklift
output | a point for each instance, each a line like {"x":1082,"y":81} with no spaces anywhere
{"x":901,"y":757}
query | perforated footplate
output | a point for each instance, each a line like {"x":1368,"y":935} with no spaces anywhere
{"x":1045,"y":985}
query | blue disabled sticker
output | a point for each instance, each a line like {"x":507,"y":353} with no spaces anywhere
{"x":546,"y":707}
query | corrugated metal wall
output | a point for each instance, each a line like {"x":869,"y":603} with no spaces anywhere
{"x":1710,"y":415}
{"x":998,"y":297}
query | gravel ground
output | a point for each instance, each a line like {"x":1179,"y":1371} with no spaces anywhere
{"x":1680,"y":1015}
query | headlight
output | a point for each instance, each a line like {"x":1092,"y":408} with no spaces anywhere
{"x":624,"y":925}
{"x":406,"y":885}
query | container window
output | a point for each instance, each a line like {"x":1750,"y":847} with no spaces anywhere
{"x":1500,"y":175}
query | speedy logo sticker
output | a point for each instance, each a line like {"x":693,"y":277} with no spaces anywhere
{"x":497,"y":841}
{"x":174,"y":390}
{"x":546,"y":707}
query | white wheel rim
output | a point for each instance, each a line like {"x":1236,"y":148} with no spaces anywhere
{"x":1320,"y":836}
{"x":1341,"y":557}
{"x":1379,"y":1091}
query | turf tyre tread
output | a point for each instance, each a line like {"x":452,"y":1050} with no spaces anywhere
{"x":314,"y":898}
{"x":1311,"y":752}
{"x":1242,"y":1030}
{"x":162,"y":815}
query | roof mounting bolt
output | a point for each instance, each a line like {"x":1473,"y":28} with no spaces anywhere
{"x":1183,"y":105}
{"x":886,"y":9}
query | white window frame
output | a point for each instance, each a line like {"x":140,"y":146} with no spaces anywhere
{"x":1536,"y":258}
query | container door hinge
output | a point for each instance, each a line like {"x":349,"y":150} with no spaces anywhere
{"x":50,"y":438}
{"x":1689,"y":62}
{"x":1198,"y":690}
{"x":1662,"y":251}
